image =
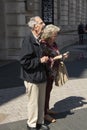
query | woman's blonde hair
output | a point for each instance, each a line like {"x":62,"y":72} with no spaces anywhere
{"x":48,"y":31}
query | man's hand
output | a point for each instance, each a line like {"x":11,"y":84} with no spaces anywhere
{"x":44,"y":59}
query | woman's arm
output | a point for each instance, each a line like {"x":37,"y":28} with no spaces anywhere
{"x":61,"y":56}
{"x":58,"y":57}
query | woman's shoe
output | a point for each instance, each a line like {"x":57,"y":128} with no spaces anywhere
{"x":52,"y":112}
{"x":49,"y":118}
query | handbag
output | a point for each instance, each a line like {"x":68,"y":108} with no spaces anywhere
{"x":62,"y":75}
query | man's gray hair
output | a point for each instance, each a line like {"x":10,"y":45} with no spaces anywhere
{"x":32,"y":22}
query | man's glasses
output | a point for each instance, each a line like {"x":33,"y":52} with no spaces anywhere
{"x":40,"y":22}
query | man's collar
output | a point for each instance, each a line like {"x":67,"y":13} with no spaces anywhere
{"x":37,"y":40}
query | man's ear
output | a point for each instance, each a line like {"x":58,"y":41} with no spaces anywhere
{"x":35,"y":27}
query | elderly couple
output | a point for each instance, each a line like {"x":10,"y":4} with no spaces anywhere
{"x":38,"y":70}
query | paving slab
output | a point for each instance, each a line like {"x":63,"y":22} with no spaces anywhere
{"x":75,"y":120}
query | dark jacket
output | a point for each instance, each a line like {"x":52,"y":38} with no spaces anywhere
{"x":81,"y":29}
{"x":31,"y":69}
{"x":51,"y":52}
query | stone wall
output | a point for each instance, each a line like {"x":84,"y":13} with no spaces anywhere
{"x":3,"y":52}
{"x":16,"y":13}
{"x":15,"y":23}
{"x":72,"y":12}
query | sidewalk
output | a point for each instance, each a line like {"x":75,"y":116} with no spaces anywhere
{"x":71,"y":96}
{"x":66,"y":100}
{"x":69,"y":100}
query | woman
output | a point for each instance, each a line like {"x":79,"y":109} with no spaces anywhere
{"x":50,"y":49}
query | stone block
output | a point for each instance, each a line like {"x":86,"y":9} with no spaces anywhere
{"x":16,"y":19}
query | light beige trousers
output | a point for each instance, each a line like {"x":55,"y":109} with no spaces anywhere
{"x":36,"y":102}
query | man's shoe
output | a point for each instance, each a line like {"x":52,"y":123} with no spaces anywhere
{"x":42,"y":127}
{"x":31,"y":128}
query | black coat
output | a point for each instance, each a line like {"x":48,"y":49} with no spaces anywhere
{"x":31,"y":69}
{"x":80,"y":29}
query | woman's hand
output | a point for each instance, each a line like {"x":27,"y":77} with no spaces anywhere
{"x":65,"y":55}
{"x":61,"y":56}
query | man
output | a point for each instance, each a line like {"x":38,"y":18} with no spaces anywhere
{"x":34,"y":74}
{"x":81,"y":32}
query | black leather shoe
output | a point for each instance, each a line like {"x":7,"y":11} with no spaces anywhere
{"x":42,"y":127}
{"x":31,"y":128}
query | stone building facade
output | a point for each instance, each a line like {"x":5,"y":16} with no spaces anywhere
{"x":14,"y":15}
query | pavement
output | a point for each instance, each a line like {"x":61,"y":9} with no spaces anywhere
{"x":70,"y":100}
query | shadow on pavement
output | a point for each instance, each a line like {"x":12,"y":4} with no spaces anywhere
{"x":10,"y":78}
{"x":77,"y":68}
{"x":9,"y":94}
{"x":65,"y":107}
{"x":10,"y":75}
